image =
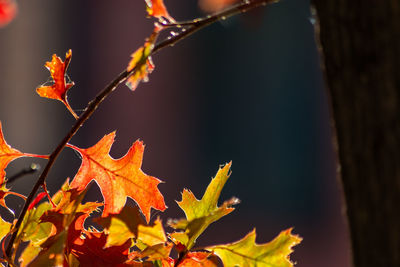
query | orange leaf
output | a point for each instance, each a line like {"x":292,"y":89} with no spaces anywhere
{"x":199,"y":259}
{"x":118,"y":178}
{"x":8,"y":154}
{"x":156,"y":8}
{"x":8,"y":10}
{"x":141,"y":60}
{"x":215,"y":5}
{"x":60,"y":87}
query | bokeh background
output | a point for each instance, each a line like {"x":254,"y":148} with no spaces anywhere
{"x":247,"y":89}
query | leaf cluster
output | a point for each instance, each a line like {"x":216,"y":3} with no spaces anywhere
{"x":57,"y":231}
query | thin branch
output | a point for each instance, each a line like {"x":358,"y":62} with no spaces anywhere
{"x":198,"y":24}
{"x":93,"y":105}
{"x":32,"y":169}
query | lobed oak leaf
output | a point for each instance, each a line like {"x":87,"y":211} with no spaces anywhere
{"x":32,"y":228}
{"x":35,"y":231}
{"x":51,"y":224}
{"x":59,"y":89}
{"x":199,"y":259}
{"x":141,"y":61}
{"x":122,"y":226}
{"x":8,"y":11}
{"x":8,"y":154}
{"x":246,"y":252}
{"x":157,"y":9}
{"x":70,"y":213}
{"x":152,"y":234}
{"x":157,"y":252}
{"x":90,"y":250}
{"x":118,"y":178}
{"x":53,"y":254}
{"x":201,"y":213}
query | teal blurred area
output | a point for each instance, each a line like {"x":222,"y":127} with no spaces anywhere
{"x":248,"y":89}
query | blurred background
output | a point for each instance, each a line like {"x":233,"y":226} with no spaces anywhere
{"x":247,"y":89}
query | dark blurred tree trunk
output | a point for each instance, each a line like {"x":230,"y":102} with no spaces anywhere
{"x":360,"y":45}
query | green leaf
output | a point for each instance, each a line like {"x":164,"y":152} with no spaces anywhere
{"x":246,"y":253}
{"x":52,"y":255}
{"x":201,"y":213}
{"x":122,"y":226}
{"x":32,"y":229}
{"x":157,"y":252}
{"x":4,"y":228}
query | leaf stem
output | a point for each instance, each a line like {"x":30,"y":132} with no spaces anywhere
{"x":93,"y":105}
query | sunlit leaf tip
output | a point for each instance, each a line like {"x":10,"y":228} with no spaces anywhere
{"x":141,"y":62}
{"x":201,"y":213}
{"x":157,"y":9}
{"x":246,"y":252}
{"x":58,"y":90}
{"x":8,"y":154}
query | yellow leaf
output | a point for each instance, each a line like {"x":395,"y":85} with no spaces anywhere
{"x":246,"y":253}
{"x":201,"y":213}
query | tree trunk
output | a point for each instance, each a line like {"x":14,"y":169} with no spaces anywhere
{"x":360,"y":45}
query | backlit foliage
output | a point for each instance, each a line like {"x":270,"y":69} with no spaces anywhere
{"x":51,"y":230}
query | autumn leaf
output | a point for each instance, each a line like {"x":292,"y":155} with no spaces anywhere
{"x":141,"y":61}
{"x":68,"y":211}
{"x":156,"y":8}
{"x":45,"y":225}
{"x":246,"y":252}
{"x":152,"y":234}
{"x":118,"y":178}
{"x":5,"y":228}
{"x":215,"y":5}
{"x":122,"y":226}
{"x":157,"y":252}
{"x":53,"y":254}
{"x":32,"y":229}
{"x":90,"y":251}
{"x":5,"y":192}
{"x":199,"y":259}
{"x":58,"y":90}
{"x":8,"y":10}
{"x":35,"y":231}
{"x":8,"y":154}
{"x":201,"y":213}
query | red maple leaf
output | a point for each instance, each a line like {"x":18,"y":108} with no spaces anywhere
{"x":118,"y":178}
{"x":8,"y":10}
{"x":60,"y":87}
